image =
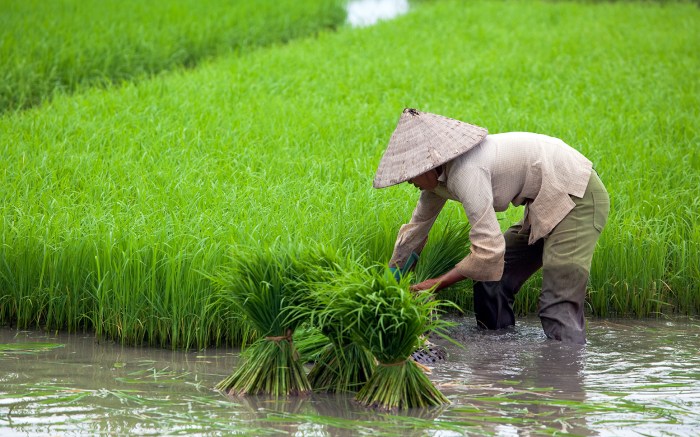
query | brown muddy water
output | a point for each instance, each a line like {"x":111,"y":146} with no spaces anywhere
{"x":633,"y":378}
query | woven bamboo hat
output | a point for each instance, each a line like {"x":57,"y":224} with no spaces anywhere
{"x":423,"y":141}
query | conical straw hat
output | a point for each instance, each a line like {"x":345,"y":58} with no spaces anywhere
{"x":423,"y":141}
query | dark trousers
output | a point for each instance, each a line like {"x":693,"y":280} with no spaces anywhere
{"x":565,"y":257}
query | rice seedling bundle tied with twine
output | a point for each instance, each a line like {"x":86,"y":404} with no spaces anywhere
{"x":265,"y":290}
{"x":390,"y":321}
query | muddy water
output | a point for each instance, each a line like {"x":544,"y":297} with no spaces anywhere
{"x":633,"y":378}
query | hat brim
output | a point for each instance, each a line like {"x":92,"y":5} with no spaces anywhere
{"x":421,"y":142}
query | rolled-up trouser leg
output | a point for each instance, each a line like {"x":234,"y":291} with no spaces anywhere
{"x":493,"y":300}
{"x":567,"y":256}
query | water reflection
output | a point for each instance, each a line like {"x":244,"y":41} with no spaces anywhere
{"x":514,"y":375}
{"x":656,"y":372}
{"x":368,"y":12}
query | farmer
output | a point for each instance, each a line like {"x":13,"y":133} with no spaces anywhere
{"x":566,"y":207}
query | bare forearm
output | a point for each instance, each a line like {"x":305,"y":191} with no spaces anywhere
{"x":449,"y":278}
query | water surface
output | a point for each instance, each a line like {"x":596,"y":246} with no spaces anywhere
{"x":633,"y":378}
{"x":368,"y":12}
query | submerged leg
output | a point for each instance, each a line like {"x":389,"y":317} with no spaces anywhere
{"x":562,"y":302}
{"x":568,"y":252}
{"x":493,"y":300}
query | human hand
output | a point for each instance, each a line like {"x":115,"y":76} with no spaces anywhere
{"x":427,"y":285}
{"x":439,"y":283}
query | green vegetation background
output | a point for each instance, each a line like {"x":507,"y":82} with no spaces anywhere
{"x":55,"y":46}
{"x":118,"y":202}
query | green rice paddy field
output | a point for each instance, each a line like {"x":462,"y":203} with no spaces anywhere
{"x":49,"y":47}
{"x":119,"y":203}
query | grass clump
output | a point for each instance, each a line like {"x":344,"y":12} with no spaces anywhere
{"x":265,"y":290}
{"x":390,"y":321}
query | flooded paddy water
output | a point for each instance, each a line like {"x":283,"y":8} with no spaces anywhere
{"x":363,"y":13}
{"x":633,"y":378}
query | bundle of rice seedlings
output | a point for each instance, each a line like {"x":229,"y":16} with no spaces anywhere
{"x":445,"y":248}
{"x":265,"y":288}
{"x":310,"y":343}
{"x":389,"y":320}
{"x":343,"y":365}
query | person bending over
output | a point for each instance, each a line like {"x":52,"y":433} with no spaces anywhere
{"x":566,"y":208}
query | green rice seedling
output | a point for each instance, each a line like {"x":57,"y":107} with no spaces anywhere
{"x":446,"y":246}
{"x":66,"y":45}
{"x":309,"y":342}
{"x":264,"y":289}
{"x":389,"y":320}
{"x":343,"y":365}
{"x":27,"y":347}
{"x":340,"y":364}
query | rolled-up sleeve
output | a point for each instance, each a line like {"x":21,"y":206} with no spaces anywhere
{"x":485,"y":261}
{"x":413,"y":235}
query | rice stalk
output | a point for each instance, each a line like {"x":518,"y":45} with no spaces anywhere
{"x":341,"y":368}
{"x":390,"y":321}
{"x":400,"y":385}
{"x":310,"y":343}
{"x":271,"y":366}
{"x":264,"y":288}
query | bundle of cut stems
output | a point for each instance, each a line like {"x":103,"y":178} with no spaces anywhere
{"x":389,"y":320}
{"x":265,"y":289}
{"x":310,"y":343}
{"x":342,"y":366}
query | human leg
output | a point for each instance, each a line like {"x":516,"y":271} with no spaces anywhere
{"x":493,"y":300}
{"x":568,"y":252}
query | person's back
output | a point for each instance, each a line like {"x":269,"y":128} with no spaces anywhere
{"x":520,"y":168}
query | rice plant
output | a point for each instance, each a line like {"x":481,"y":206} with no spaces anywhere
{"x":390,"y":321}
{"x":68,"y":45}
{"x":343,"y":365}
{"x":264,"y":289}
{"x":310,"y":343}
{"x":117,"y":204}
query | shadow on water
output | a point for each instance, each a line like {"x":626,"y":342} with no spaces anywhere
{"x":632,"y":378}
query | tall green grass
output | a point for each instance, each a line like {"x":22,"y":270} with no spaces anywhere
{"x":49,"y":47}
{"x":117,"y":203}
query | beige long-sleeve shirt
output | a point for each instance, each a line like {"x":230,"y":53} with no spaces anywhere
{"x":515,"y":168}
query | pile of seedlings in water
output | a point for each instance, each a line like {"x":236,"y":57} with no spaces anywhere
{"x":343,"y":365}
{"x":372,"y":323}
{"x":391,"y":322}
{"x":266,"y":291}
